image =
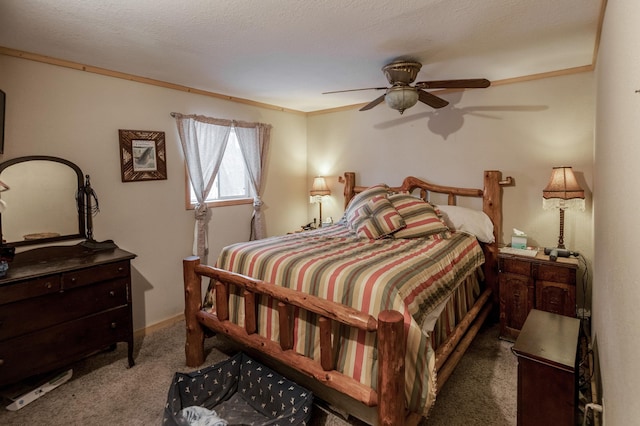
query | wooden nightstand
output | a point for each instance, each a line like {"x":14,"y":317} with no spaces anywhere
{"x":547,"y":351}
{"x":534,"y":283}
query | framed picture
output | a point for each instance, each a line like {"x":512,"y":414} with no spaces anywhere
{"x":142,"y":155}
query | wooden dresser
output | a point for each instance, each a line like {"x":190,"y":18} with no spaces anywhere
{"x":528,"y":283}
{"x":60,"y":304}
{"x":547,"y":351}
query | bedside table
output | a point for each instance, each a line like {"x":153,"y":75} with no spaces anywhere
{"x":547,"y":352}
{"x":528,"y":283}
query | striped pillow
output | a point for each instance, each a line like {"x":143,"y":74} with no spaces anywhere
{"x":377,"y":219}
{"x":420,"y":217}
{"x":361,"y":199}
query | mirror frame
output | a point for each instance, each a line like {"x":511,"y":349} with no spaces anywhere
{"x":80,"y":200}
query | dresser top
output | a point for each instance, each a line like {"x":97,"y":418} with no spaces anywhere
{"x":55,"y":259}
{"x":549,"y":338}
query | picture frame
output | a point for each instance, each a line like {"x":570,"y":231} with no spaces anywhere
{"x":142,"y":155}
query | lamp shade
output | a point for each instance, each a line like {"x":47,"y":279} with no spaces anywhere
{"x":563,"y":190}
{"x":401,"y":97}
{"x":319,"y":187}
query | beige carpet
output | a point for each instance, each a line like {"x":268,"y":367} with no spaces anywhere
{"x":103,"y":391}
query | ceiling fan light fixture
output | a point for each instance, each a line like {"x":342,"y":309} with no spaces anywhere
{"x":401,"y":71}
{"x":401,"y":97}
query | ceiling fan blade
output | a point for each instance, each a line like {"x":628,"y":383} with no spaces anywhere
{"x":373,"y":103}
{"x":471,"y":83}
{"x":431,"y":100}
{"x":354,"y":90}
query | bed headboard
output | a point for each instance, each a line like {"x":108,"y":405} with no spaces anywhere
{"x":491,"y":195}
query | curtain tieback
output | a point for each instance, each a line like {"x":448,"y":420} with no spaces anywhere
{"x":201,"y":211}
{"x":257,"y":203}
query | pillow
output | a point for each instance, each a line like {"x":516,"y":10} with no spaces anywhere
{"x":420,"y":217}
{"x":377,"y":219}
{"x":361,"y":199}
{"x":475,"y":222}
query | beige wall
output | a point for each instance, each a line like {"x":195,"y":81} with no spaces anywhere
{"x":616,"y":295}
{"x":76,"y":115}
{"x":521,"y":129}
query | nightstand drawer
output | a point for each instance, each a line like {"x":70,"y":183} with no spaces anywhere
{"x":515,"y":266}
{"x":560,"y":274}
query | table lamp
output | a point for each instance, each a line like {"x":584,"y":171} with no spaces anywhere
{"x":562,"y":192}
{"x":318,"y":190}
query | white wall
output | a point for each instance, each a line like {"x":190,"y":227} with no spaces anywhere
{"x":616,"y":295}
{"x":76,"y":115}
{"x":522,"y":129}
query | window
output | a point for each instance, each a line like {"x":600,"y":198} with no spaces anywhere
{"x":231,"y":185}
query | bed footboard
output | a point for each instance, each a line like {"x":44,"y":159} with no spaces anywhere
{"x":389,"y":326}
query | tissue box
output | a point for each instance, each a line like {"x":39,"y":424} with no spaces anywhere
{"x":519,"y":241}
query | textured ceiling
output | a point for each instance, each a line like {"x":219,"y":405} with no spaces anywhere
{"x":287,"y":52}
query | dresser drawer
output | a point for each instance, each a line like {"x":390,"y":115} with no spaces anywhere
{"x":26,"y":289}
{"x":39,"y":312}
{"x":87,"y":276}
{"x":60,"y":345}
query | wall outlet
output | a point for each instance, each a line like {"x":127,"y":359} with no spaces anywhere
{"x":583,"y":313}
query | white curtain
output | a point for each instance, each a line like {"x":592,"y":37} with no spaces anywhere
{"x":254,"y":144}
{"x":204,"y":141}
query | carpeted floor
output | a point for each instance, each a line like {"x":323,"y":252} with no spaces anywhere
{"x":103,"y":391}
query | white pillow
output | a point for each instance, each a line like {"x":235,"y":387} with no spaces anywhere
{"x":475,"y":222}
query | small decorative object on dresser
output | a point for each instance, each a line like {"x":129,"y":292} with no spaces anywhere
{"x":534,"y":282}
{"x":59,"y":304}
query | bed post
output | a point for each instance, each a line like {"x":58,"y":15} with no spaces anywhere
{"x":492,"y":206}
{"x":391,"y":349}
{"x":349,"y":185}
{"x":194,"y":345}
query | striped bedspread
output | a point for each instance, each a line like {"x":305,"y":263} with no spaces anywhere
{"x":408,"y":275}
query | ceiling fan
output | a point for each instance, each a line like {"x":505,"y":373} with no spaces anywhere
{"x":402,"y":95}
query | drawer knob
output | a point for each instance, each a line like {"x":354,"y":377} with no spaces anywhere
{"x":120,"y":269}
{"x":48,"y":284}
{"x":114,"y":325}
{"x":1,"y":362}
{"x":112,"y":293}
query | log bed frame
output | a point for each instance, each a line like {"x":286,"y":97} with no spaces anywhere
{"x":353,"y":397}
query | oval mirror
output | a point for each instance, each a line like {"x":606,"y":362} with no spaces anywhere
{"x":44,"y":202}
